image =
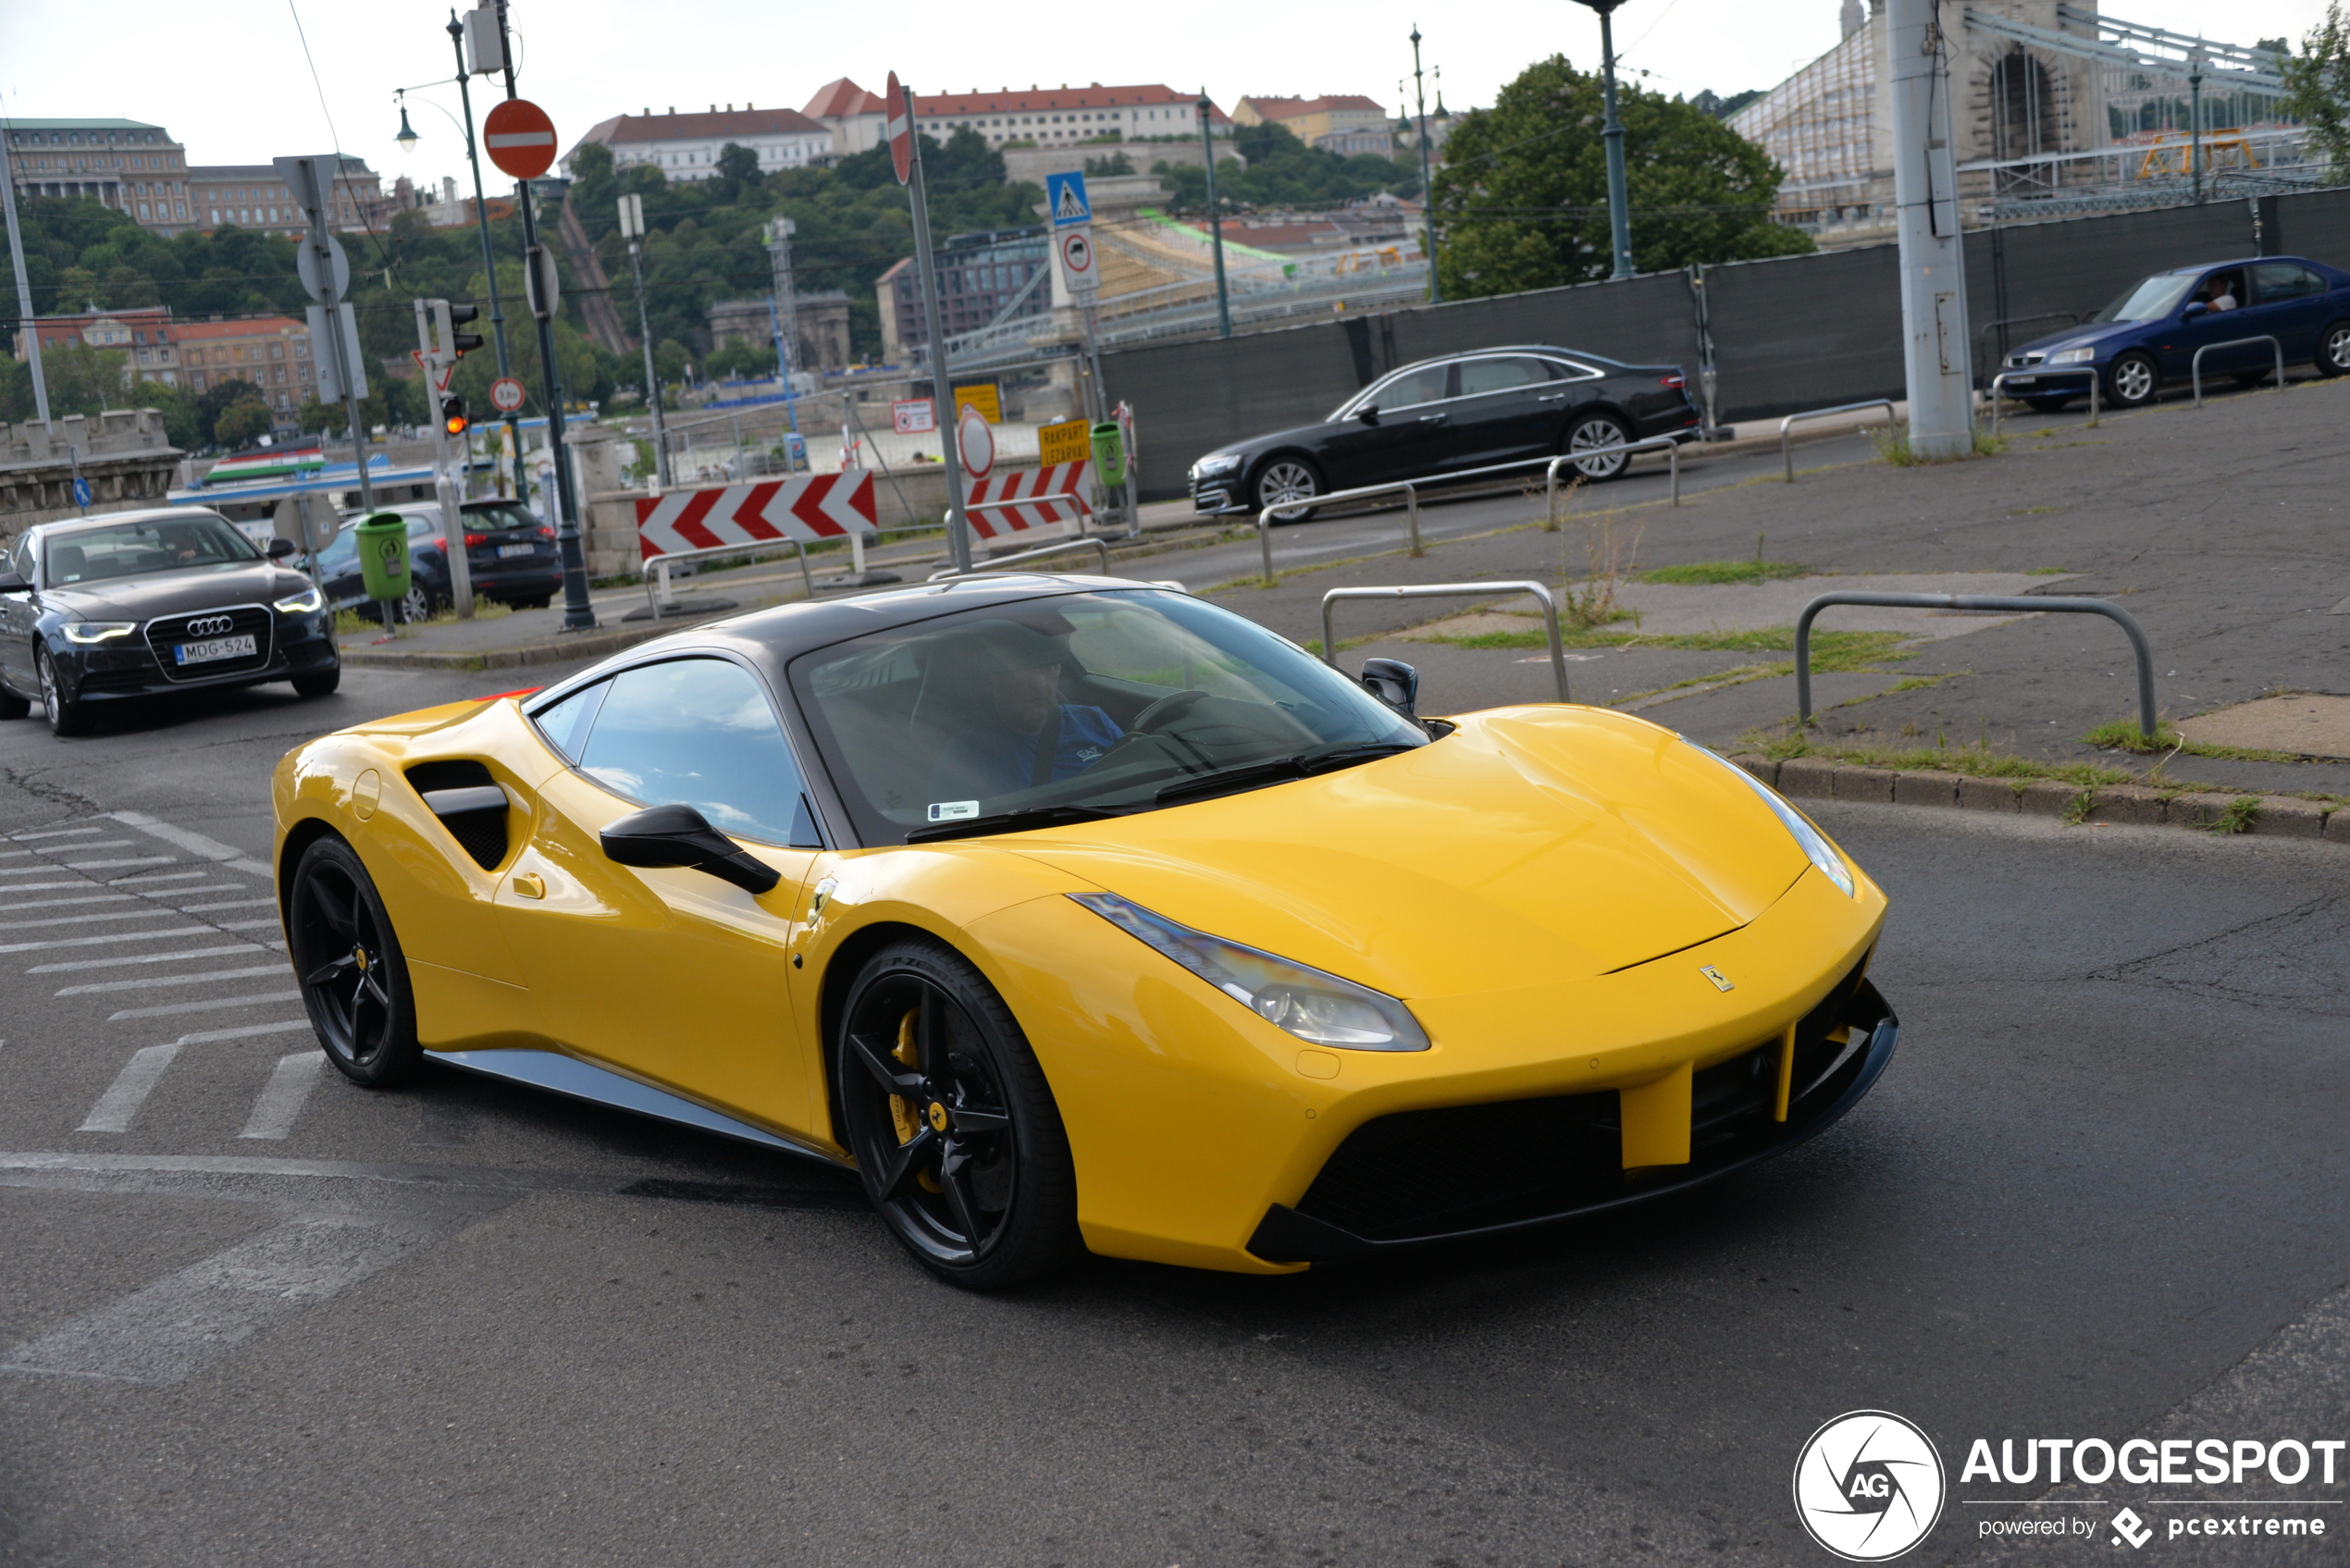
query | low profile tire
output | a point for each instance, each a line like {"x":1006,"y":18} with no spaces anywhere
{"x":318,"y":683}
{"x":2134,"y":380}
{"x":1285,"y":478}
{"x":952,"y":1124}
{"x":1593,"y":432}
{"x":2048,"y":405}
{"x":354,"y":981}
{"x":67,"y":717}
{"x":2334,"y":348}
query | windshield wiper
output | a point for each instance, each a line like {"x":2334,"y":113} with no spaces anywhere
{"x":1010,"y":822}
{"x":1304,"y":765}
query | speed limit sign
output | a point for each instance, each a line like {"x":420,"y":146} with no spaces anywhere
{"x":506,"y":394}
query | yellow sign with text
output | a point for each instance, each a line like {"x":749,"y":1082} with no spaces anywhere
{"x":982,"y":396}
{"x":1071,"y":441}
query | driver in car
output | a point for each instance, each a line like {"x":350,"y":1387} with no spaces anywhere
{"x":1022,"y":734}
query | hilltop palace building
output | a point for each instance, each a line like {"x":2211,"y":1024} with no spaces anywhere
{"x":2059,"y":110}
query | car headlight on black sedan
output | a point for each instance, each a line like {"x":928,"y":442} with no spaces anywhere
{"x":303,"y":603}
{"x":88,"y":632}
{"x":1216,"y":465}
{"x":1318,"y":1008}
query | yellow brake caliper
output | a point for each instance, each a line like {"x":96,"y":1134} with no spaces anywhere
{"x":901,"y":1110}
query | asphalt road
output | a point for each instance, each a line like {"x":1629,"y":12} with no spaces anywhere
{"x":252,"y":1314}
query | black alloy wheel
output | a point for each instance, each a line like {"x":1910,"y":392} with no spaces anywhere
{"x":354,"y":979}
{"x":1596,"y":432}
{"x":67,"y":716}
{"x":1288,"y":477}
{"x":2134,"y":379}
{"x":950,"y":1120}
{"x":2334,"y":348}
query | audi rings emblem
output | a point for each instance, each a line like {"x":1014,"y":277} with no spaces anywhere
{"x":210,"y":625}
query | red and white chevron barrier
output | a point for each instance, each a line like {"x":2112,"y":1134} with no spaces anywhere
{"x":810,"y":507}
{"x":1052,"y":496}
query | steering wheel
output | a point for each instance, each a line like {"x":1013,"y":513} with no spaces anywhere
{"x":1151,"y":720}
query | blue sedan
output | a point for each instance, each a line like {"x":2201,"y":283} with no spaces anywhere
{"x":2149,"y":335}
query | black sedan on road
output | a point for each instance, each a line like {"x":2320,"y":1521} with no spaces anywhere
{"x":1440,"y":416}
{"x":508,"y":552}
{"x":142,"y":604}
{"x":2151,"y":335}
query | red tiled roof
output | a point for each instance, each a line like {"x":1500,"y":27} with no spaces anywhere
{"x":1095,"y":97}
{"x":197,"y":331}
{"x":1289,"y":108}
{"x":704,"y":127}
{"x":841,"y":97}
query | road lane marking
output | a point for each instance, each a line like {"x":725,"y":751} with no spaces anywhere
{"x":193,"y":843}
{"x":55,"y":902}
{"x":210,"y":1035}
{"x":129,"y":1089}
{"x":245,"y":948}
{"x":30,"y":833}
{"x":9,"y":890}
{"x":145,"y":877}
{"x":226,"y":903}
{"x":192,"y":891}
{"x":85,"y":848}
{"x":272,"y":923}
{"x":122,"y":860}
{"x":111,"y":940}
{"x":215,"y":1004}
{"x":163,"y":1334}
{"x":149,"y":983}
{"x":89,"y":919}
{"x":283,"y":1096}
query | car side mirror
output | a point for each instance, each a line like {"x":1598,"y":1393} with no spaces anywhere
{"x":1367,"y":413}
{"x":679,"y":836}
{"x":280,"y":548}
{"x":2195,"y":308}
{"x":12,"y":584}
{"x":1394,"y":682}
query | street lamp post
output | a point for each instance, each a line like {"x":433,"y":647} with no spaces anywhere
{"x":2195,"y":120}
{"x":1427,"y":178}
{"x":1215,"y":217}
{"x":489,"y":263}
{"x":1619,"y":214}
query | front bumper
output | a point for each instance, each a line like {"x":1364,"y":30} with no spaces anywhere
{"x":129,"y":670}
{"x":1399,"y":1181}
{"x":1222,"y":493}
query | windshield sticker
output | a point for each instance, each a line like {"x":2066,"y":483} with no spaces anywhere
{"x":953,"y":810}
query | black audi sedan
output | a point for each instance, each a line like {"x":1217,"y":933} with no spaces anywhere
{"x":144,"y":604}
{"x":1440,"y":416}
{"x":509,"y":554}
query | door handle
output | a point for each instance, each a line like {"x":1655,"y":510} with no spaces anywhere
{"x":1551,"y":398}
{"x":1434,"y":418}
{"x":529,"y":884}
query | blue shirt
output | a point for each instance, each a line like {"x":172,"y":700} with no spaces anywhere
{"x":985,"y":761}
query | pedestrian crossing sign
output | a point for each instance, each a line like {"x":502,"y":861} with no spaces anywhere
{"x":1065,"y":197}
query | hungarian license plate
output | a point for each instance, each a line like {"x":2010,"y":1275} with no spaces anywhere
{"x":508,"y":551}
{"x":212,"y":649}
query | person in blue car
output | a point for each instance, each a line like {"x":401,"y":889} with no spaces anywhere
{"x":1023,"y":734}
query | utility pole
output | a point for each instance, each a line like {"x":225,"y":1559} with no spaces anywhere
{"x":481,"y":216}
{"x":1215,"y":217}
{"x":579,"y":615}
{"x":2195,"y":118}
{"x":942,"y":386}
{"x":1428,"y":175}
{"x":632,"y":228}
{"x":24,"y":293}
{"x":1936,"y":343}
{"x":783,"y":314}
{"x":312,"y":181}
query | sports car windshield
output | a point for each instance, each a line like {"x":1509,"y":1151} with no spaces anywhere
{"x":1072,"y":707}
{"x":136,"y":550}
{"x":2152,"y":299}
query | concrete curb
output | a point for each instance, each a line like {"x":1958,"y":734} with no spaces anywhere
{"x":2276,"y":816}
{"x":589,"y":645}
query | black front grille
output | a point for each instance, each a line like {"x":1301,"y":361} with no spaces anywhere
{"x":1463,"y":1168}
{"x":168,"y":633}
{"x":95,"y":682}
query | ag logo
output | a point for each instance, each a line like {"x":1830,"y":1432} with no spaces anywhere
{"x":1868,"y":1486}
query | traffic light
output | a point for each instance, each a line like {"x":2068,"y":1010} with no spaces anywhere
{"x":460,"y":342}
{"x":453,"y":420}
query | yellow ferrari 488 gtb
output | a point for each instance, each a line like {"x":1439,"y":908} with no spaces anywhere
{"x":1073,"y":912}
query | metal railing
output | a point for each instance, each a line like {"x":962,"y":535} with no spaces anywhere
{"x":1002,"y":562}
{"x":1412,"y":501}
{"x":1786,"y":448}
{"x":1551,"y":474}
{"x":1999,"y":384}
{"x":2195,"y":366}
{"x":1455,"y":590}
{"x":1994,"y":603}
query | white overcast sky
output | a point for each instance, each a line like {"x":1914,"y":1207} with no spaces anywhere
{"x":229,"y":80}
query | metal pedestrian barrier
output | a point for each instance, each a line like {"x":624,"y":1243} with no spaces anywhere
{"x":1002,"y":562}
{"x":1453,"y":590}
{"x":2001,"y":603}
{"x":1551,"y":474}
{"x":1787,"y":449}
{"x":1999,"y":382}
{"x":2195,"y":366}
{"x":661,"y":593}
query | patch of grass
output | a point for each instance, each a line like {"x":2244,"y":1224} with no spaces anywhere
{"x":1979,"y":760}
{"x":2078,"y":811}
{"x":2123,"y":734}
{"x":1893,"y":447}
{"x":2237,"y":816}
{"x":370,"y":621}
{"x":1831,"y":651}
{"x":1709,"y":573}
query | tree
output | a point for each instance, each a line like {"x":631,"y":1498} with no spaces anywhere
{"x":217,"y":399}
{"x":2318,"y":85}
{"x":242,"y":423}
{"x":1522,"y":201}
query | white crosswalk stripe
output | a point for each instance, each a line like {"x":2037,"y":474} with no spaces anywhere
{"x":129,"y":1090}
{"x":89,"y":919}
{"x":250,"y":1032}
{"x":120,"y":860}
{"x":283,"y":1096}
{"x":74,"y":965}
{"x":30,"y":833}
{"x":227,"y":904}
{"x":143,"y":878}
{"x":151,"y":983}
{"x":213,"y":1005}
{"x":113,"y":940}
{"x":83,"y":898}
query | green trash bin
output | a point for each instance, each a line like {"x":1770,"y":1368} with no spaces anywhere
{"x":383,"y":555}
{"x":1109,"y":454}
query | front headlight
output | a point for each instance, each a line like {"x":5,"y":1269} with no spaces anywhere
{"x":1816,"y":845}
{"x":1221,"y":463}
{"x":88,"y":632}
{"x":1311,"y":1005}
{"x":2072,"y":356}
{"x":302,"y":603}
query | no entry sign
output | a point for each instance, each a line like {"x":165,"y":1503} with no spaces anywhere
{"x":520,"y":138}
{"x":897,"y":121}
